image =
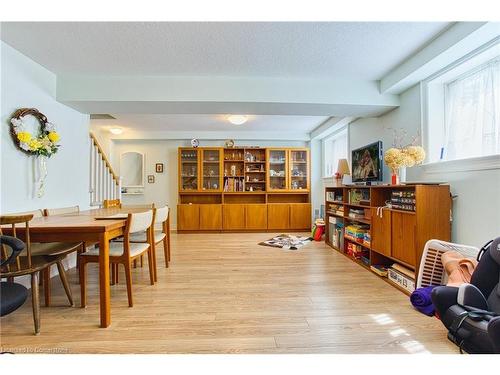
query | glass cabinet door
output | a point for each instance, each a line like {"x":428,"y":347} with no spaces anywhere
{"x":211,"y":167}
{"x":299,"y":170}
{"x":277,"y":177}
{"x":189,"y":169}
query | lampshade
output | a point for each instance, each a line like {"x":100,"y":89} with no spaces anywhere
{"x":343,"y":167}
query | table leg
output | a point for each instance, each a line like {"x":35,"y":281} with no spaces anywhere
{"x":104,"y":291}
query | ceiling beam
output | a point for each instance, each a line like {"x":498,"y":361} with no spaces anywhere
{"x":209,"y":95}
{"x":330,"y":126}
{"x":458,"y":40}
{"x":211,"y":135}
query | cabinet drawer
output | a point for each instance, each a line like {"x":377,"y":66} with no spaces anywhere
{"x":188,"y":217}
{"x":210,"y":216}
{"x":256,"y":216}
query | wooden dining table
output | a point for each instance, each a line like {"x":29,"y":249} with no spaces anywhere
{"x":84,"y":226}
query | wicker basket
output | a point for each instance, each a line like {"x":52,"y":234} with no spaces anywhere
{"x":431,"y":271}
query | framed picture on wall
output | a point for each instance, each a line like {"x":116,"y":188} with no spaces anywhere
{"x":151,"y":179}
{"x":159,"y":168}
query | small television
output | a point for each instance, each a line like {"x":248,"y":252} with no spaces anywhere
{"x":367,"y":163}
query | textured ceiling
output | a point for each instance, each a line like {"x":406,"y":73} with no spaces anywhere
{"x":148,"y":123}
{"x":365,"y":50}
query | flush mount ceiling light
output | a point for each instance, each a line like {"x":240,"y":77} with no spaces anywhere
{"x":116,"y":131}
{"x":237,"y":119}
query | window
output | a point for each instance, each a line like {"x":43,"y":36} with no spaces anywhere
{"x":334,"y":148}
{"x":472,"y":114}
{"x":461,"y":106}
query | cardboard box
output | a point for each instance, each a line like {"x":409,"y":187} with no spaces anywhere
{"x":401,"y":280}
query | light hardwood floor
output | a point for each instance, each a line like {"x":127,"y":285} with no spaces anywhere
{"x":225,"y":294}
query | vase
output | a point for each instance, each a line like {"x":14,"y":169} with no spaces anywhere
{"x":395,"y":177}
{"x":42,"y":174}
{"x":402,"y":175}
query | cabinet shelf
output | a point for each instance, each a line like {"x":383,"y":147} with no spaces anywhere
{"x":353,"y":240}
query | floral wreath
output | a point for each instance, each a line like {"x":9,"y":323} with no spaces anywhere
{"x":45,"y":143}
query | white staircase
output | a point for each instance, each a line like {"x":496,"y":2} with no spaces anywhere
{"x":104,"y":182}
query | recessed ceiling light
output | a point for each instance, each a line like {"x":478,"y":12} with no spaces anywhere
{"x":237,"y":119}
{"x":116,"y":131}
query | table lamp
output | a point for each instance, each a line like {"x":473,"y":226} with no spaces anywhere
{"x":342,"y":172}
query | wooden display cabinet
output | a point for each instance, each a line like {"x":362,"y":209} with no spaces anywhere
{"x":298,"y":170}
{"x":189,"y":171}
{"x":288,"y":170}
{"x":211,"y":169}
{"x":277,"y":169}
{"x":232,"y":189}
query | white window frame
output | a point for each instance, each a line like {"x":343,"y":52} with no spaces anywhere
{"x":426,"y":90}
{"x":336,"y":134}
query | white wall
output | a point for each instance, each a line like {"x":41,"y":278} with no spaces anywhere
{"x":103,"y":136}
{"x":477,"y":208}
{"x":27,"y":84}
{"x":164,"y":190}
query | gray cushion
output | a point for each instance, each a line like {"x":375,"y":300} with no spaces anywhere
{"x":141,"y":237}
{"x":116,"y":249}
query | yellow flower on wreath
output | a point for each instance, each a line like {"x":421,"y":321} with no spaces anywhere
{"x":24,"y":137}
{"x":54,"y":137}
{"x":34,"y":144}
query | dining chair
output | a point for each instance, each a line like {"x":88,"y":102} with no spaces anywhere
{"x":31,"y":261}
{"x":135,"y":206}
{"x":62,"y":210}
{"x":50,"y":248}
{"x":123,"y":253}
{"x":12,"y":295}
{"x":111,"y":203}
{"x":160,"y":217}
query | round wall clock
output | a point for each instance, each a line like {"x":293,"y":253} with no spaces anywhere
{"x":195,"y":143}
{"x":229,"y":143}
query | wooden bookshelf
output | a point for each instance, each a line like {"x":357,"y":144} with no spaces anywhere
{"x":242,"y":189}
{"x":397,"y":234}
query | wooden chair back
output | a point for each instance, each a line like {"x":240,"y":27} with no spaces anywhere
{"x":62,"y":210}
{"x":146,"y":205}
{"x":26,"y":263}
{"x":109,"y":203}
{"x":161,"y":215}
{"x":137,"y":222}
{"x":35,"y":213}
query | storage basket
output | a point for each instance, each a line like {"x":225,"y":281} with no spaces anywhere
{"x":431,"y":271}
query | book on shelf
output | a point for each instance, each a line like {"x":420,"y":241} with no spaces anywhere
{"x":356,"y":196}
{"x":357,"y":213}
{"x":332,"y":196}
{"x":365,"y":260}
{"x":233,"y":184}
{"x":379,"y":269}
